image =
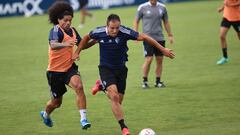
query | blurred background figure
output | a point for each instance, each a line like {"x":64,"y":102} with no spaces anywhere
{"x":83,"y":12}
{"x":231,"y":17}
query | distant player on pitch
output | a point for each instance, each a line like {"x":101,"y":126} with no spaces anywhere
{"x":231,"y":17}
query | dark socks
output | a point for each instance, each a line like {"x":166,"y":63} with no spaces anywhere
{"x":145,"y":79}
{"x":158,"y":80}
{"x":224,"y":50}
{"x":122,"y":124}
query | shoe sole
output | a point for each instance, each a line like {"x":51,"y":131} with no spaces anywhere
{"x":221,"y":63}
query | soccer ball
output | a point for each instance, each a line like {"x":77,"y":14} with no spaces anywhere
{"x":147,"y":131}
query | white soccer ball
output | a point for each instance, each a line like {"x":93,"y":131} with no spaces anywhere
{"x":147,"y":131}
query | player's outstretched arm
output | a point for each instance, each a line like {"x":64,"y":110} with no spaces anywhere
{"x":167,"y":52}
{"x":81,"y":45}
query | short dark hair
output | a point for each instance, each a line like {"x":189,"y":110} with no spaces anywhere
{"x":58,"y":10}
{"x":113,"y":17}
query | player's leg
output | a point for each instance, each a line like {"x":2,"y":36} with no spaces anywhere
{"x":158,"y":72}
{"x":110,"y":79}
{"x":77,"y":85}
{"x":116,"y":100}
{"x":83,"y":12}
{"x":148,"y":53}
{"x":83,"y":9}
{"x":57,"y":88}
{"x":225,"y":25}
{"x":121,"y":97}
{"x":112,"y":94}
{"x":236,"y":26}
{"x":73,"y":80}
{"x":50,"y":107}
{"x":145,"y":69}
{"x":121,"y":83}
{"x":238,"y":34}
{"x":159,"y":65}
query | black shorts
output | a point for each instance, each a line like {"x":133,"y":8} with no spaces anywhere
{"x":113,"y":76}
{"x":58,"y":80}
{"x":150,"y":50}
{"x":228,"y":24}
{"x":82,"y":3}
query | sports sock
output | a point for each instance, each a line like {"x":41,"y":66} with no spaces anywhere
{"x":158,"y":80}
{"x":224,"y":50}
{"x":83,"y":114}
{"x":122,"y":124}
{"x":45,"y":115}
{"x":145,"y":79}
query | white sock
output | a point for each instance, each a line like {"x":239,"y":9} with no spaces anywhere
{"x":45,"y":115}
{"x":83,"y":114}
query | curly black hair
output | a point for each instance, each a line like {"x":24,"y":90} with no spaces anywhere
{"x":58,"y":10}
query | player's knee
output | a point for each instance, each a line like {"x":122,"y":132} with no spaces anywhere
{"x":78,"y":86}
{"x":223,"y":37}
{"x":148,"y":61}
{"x":115,"y":98}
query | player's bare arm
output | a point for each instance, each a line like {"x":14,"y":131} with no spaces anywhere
{"x":135,"y":25}
{"x":167,"y":52}
{"x":55,"y":45}
{"x":81,"y":45}
{"x":168,"y":30}
{"x":90,"y":44}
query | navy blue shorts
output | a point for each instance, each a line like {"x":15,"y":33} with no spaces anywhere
{"x":113,"y":76}
{"x":58,"y":80}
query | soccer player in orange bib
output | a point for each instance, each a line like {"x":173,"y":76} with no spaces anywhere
{"x":61,"y":69}
{"x":231,"y":17}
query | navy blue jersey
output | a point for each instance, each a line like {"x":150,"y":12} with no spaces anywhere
{"x":113,"y":50}
{"x":57,"y":34}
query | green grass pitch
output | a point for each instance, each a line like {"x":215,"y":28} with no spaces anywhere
{"x":201,"y":98}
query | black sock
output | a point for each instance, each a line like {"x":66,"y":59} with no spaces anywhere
{"x":145,"y":79}
{"x":122,"y":124}
{"x":224,"y":50}
{"x":158,"y":80}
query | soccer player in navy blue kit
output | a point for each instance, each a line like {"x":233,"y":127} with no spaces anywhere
{"x":113,"y":56}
